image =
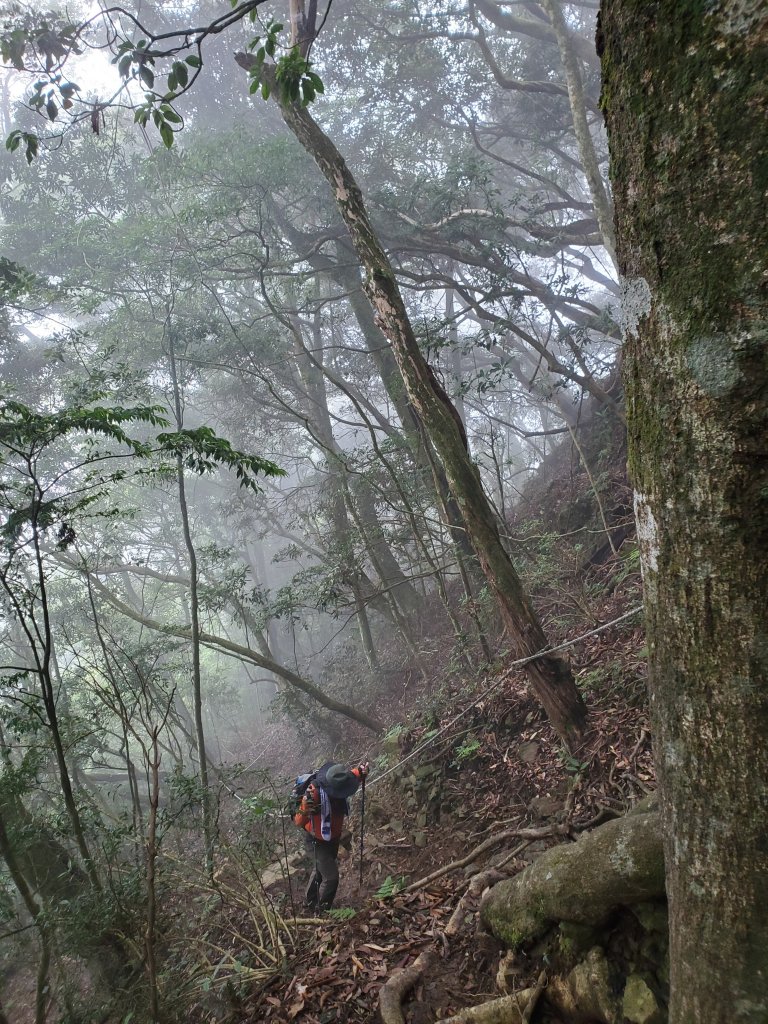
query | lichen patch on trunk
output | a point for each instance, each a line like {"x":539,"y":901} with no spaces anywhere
{"x":714,"y":365}
{"x":635,"y":304}
{"x":647,"y":536}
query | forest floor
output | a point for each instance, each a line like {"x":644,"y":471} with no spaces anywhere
{"x":494,"y":765}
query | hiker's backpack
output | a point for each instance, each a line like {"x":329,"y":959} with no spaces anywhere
{"x":299,"y":789}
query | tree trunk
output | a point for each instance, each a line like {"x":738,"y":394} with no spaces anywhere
{"x":194,"y":610}
{"x":42,"y":992}
{"x":589,"y":160}
{"x":318,"y":419}
{"x":685,"y":92}
{"x":392,"y":577}
{"x":550,"y":678}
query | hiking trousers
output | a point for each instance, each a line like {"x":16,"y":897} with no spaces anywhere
{"x":324,"y":880}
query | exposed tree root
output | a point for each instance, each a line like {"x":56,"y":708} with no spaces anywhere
{"x":541,"y":984}
{"x":529,"y":834}
{"x":506,"y":1010}
{"x":400,"y":984}
{"x":618,"y":864}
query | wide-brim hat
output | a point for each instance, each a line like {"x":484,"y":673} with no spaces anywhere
{"x":340,"y":782}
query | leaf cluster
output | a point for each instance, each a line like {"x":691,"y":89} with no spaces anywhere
{"x":23,"y":428}
{"x":136,"y":62}
{"x":25,"y":434}
{"x":15,"y":280}
{"x":202,"y":451}
{"x":296,"y":82}
{"x":390,"y":887}
{"x":42,"y":35}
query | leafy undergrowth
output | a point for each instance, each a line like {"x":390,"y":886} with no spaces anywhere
{"x":493,"y":765}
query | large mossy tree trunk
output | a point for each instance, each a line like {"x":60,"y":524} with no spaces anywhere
{"x":550,"y":677}
{"x":685,"y":93}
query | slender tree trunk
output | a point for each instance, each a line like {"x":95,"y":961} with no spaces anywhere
{"x":398,"y":587}
{"x":150,"y":954}
{"x":378,"y":349}
{"x":412,"y":426}
{"x":43,"y":660}
{"x":194,"y":610}
{"x":117,"y":705}
{"x":387,"y":566}
{"x":550,"y":678}
{"x":573,"y":78}
{"x":366,"y":638}
{"x":685,"y":91}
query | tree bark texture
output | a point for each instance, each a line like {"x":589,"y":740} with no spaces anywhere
{"x":550,"y":678}
{"x":685,"y":94}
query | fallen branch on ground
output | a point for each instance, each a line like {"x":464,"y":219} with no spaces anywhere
{"x":475,"y":887}
{"x":511,"y":855}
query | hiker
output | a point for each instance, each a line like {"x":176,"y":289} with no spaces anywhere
{"x":321,"y":814}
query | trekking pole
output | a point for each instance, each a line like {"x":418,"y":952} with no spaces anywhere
{"x":362,"y":826}
{"x":314,"y":850}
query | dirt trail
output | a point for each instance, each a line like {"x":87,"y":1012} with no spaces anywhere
{"x":502,"y":770}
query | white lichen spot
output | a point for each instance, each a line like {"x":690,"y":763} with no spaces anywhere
{"x":635,"y":304}
{"x":737,"y":17}
{"x":713,"y":363}
{"x":647,"y":535}
{"x":673,"y":754}
{"x":679,"y":849}
{"x":621,"y":857}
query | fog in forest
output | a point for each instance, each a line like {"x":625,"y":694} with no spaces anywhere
{"x":233,"y":544}
{"x":216,"y":281}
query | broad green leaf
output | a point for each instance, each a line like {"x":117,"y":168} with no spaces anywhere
{"x":181,"y":72}
{"x":166,"y":134}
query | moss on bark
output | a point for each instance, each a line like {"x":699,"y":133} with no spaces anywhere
{"x":618,"y":864}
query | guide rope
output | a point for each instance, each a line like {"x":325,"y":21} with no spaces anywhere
{"x":486,"y":693}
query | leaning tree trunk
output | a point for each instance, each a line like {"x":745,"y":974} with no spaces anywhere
{"x":685,"y":91}
{"x":550,"y":678}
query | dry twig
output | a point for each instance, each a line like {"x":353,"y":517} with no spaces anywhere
{"x":530,"y":834}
